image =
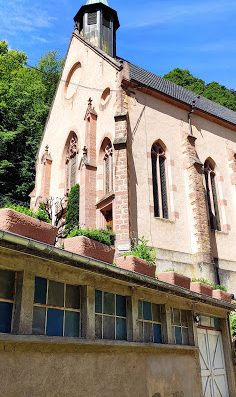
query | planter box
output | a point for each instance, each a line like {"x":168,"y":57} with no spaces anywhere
{"x":87,"y":247}
{"x":222,"y":295}
{"x":201,"y":288}
{"x":175,"y":278}
{"x":137,"y":265}
{"x":24,"y":225}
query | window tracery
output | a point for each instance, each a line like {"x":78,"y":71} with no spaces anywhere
{"x":108,"y":168}
{"x":71,"y":162}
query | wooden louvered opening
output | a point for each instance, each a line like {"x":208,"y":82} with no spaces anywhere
{"x":92,"y":18}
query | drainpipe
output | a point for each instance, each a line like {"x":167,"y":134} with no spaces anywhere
{"x":193,"y":105}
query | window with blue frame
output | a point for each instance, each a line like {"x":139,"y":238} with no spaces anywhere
{"x":56,"y":309}
{"x":7,"y":296}
{"x":110,"y":316}
{"x":150,"y":322}
{"x":180,"y":327}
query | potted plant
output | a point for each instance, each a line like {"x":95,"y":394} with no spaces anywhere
{"x":201,"y":286}
{"x":141,"y":259}
{"x":220,"y":292}
{"x":23,"y":221}
{"x":172,"y":277}
{"x":94,"y":243}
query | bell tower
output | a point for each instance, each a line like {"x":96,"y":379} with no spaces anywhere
{"x":98,"y":23}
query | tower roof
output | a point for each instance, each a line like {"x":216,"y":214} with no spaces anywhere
{"x":97,"y":1}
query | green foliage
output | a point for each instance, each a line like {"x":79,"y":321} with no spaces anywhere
{"x":213,"y":91}
{"x":25,"y":98}
{"x":101,"y":235}
{"x":170,"y":269}
{"x":143,"y":251}
{"x":202,"y":281}
{"x":232,"y":319}
{"x":220,"y":287}
{"x":72,"y":211}
{"x":40,"y":214}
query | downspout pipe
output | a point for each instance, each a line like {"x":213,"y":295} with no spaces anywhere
{"x":193,"y":105}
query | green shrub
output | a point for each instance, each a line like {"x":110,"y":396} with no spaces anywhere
{"x":232,"y":319}
{"x":72,"y":211}
{"x":101,"y":235}
{"x":143,"y":251}
{"x":220,"y":287}
{"x":202,"y":281}
{"x":40,"y":214}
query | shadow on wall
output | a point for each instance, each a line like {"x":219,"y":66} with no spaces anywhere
{"x":132,"y":188}
{"x":177,"y":394}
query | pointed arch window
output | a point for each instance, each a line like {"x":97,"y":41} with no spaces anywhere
{"x":71,"y":162}
{"x":159,"y":182}
{"x":108,"y":168}
{"x":211,"y":193}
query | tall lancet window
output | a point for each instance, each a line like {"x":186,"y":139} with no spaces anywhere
{"x":211,"y":192}
{"x":108,"y":168}
{"x":159,"y":182}
{"x":71,"y":162}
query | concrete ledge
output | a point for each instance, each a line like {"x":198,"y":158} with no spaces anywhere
{"x":21,"y":343}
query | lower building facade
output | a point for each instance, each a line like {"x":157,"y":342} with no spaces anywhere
{"x":70,"y":325}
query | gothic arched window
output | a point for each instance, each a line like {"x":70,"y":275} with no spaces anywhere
{"x":159,"y":181}
{"x":71,"y":161}
{"x":108,"y":168}
{"x":211,"y":193}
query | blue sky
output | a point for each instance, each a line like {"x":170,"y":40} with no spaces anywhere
{"x":156,"y":34}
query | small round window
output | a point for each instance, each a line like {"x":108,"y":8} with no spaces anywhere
{"x":72,"y":81}
{"x":105,"y":96}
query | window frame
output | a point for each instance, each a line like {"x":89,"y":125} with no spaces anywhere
{"x":152,"y":322}
{"x":10,"y":301}
{"x":115,"y":316}
{"x":63,"y":308}
{"x":181,"y":326}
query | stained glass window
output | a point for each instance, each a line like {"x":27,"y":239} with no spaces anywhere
{"x":159,"y":182}
{"x":110,"y":316}
{"x":212,"y":200}
{"x":56,"y":309}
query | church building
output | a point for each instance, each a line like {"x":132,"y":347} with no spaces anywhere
{"x":151,"y":158}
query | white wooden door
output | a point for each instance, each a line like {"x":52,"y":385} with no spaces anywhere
{"x":214,"y":378}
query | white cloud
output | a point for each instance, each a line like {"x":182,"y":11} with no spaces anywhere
{"x":161,"y":12}
{"x":20,"y":16}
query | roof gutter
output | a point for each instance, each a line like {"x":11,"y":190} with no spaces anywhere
{"x":49,"y":252}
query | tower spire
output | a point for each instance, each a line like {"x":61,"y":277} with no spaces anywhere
{"x":98,"y":23}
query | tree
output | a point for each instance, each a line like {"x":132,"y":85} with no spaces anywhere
{"x":72,"y":211}
{"x":26,"y":94}
{"x":213,"y":91}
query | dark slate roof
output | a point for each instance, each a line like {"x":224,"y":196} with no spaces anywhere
{"x":151,"y":80}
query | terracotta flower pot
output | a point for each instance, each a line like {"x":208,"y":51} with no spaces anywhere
{"x":222,"y":295}
{"x":175,"y":278}
{"x":201,"y":288}
{"x":87,"y":247}
{"x":137,"y":265}
{"x":26,"y":226}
